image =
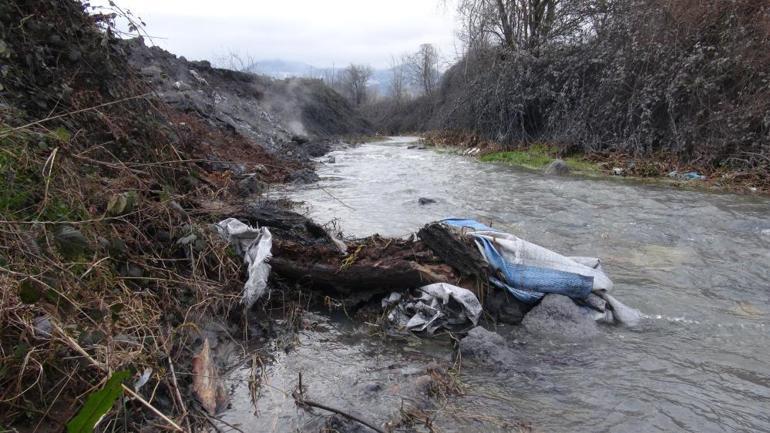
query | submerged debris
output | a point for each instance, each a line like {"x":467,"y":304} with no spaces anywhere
{"x":439,"y":305}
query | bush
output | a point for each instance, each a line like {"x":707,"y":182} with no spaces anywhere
{"x":683,"y":77}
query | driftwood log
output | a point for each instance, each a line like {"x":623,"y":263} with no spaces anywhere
{"x":372,"y":265}
{"x":459,"y":252}
{"x":303,"y":252}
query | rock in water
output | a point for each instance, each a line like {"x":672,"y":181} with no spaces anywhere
{"x":486,"y":347}
{"x":504,"y":308}
{"x":424,"y":200}
{"x":557,"y":167}
{"x":559,"y":316}
{"x":251,"y":185}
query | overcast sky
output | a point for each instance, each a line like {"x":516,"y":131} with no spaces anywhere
{"x":318,"y":32}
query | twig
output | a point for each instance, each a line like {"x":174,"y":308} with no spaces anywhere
{"x":77,"y":348}
{"x":151,"y":407}
{"x":177,"y":393}
{"x":340,"y":201}
{"x":88,"y":221}
{"x":70,"y":113}
{"x":300,"y":400}
{"x":211,"y":419}
{"x":49,"y":163}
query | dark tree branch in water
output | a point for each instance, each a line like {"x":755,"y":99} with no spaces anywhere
{"x":299,"y":398}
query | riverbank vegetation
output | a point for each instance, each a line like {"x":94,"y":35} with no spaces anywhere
{"x":109,"y":267}
{"x":684,"y":82}
{"x":537,"y":157}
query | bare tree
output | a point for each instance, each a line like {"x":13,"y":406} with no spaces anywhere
{"x":236,"y":61}
{"x":398,"y":79}
{"x":354,"y":82}
{"x":523,"y":24}
{"x":423,"y":68}
{"x":331,"y":77}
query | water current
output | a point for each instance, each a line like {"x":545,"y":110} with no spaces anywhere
{"x":697,"y":265}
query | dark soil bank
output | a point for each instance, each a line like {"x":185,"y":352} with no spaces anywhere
{"x":270,"y":112}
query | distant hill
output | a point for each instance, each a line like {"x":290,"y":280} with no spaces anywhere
{"x":280,"y":69}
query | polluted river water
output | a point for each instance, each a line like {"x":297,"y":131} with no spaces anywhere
{"x":696,"y":264}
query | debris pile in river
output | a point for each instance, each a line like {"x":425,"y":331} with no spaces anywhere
{"x":458,"y":256}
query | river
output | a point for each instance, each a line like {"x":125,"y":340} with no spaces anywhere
{"x":696,"y":264}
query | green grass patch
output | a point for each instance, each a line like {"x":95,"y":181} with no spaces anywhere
{"x":537,"y":157}
{"x":518,"y":157}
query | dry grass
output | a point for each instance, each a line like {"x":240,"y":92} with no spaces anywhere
{"x":124,"y":296}
{"x":107,"y":260}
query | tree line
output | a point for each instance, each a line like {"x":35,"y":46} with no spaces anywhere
{"x":409,"y":75}
{"x":689,"y":78}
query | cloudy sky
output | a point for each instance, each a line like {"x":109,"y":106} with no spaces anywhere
{"x":322,"y":33}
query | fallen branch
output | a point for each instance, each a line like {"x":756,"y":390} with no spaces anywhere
{"x":147,"y":404}
{"x":300,"y":400}
{"x":70,"y":113}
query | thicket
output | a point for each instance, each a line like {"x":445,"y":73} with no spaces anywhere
{"x":685,"y":78}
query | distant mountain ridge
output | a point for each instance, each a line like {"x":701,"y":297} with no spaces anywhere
{"x":282,"y":69}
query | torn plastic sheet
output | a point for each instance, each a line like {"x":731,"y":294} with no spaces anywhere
{"x":622,"y":313}
{"x":254,"y":245}
{"x":439,"y":305}
{"x":529,"y":271}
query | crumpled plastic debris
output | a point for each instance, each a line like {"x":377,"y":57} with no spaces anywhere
{"x":143,"y":379}
{"x":255,"y":246}
{"x":690,"y":175}
{"x":622,"y":313}
{"x":529,"y":272}
{"x":439,"y":305}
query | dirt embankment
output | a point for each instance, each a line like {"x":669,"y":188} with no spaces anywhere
{"x":113,"y":172}
{"x":271,"y":112}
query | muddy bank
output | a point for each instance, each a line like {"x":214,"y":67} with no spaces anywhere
{"x":276,"y":114}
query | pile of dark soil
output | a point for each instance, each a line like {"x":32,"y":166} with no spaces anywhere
{"x":271,"y":112}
